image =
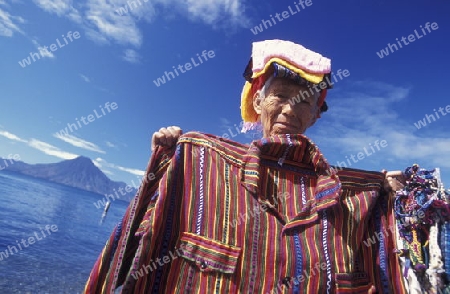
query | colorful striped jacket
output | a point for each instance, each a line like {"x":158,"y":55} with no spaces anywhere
{"x":272,"y":217}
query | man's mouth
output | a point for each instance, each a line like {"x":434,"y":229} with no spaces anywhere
{"x":286,"y":126}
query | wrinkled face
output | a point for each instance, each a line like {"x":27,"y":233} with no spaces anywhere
{"x":284,"y":110}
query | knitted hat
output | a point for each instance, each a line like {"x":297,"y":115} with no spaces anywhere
{"x":283,"y":59}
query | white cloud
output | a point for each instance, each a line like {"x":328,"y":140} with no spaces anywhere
{"x":78,"y":142}
{"x":133,"y":171}
{"x":85,"y":78}
{"x":107,"y":172}
{"x":43,"y":52}
{"x":211,"y":12}
{"x":368,"y":113}
{"x":57,"y":152}
{"x":50,"y":149}
{"x":106,"y":21}
{"x":95,"y":36}
{"x":131,"y":56}
{"x":8,"y":24}
{"x":99,"y":20}
{"x":59,"y":7}
{"x":101,"y":163}
{"x":12,"y":136}
{"x":109,"y":144}
{"x":137,"y":9}
{"x":100,"y":15}
{"x":97,"y":162}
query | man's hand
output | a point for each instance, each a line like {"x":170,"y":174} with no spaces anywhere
{"x":394,"y":181}
{"x":166,"y":137}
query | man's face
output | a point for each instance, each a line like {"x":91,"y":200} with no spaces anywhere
{"x":280,"y":114}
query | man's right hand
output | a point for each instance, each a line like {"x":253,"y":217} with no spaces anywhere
{"x":166,"y":137}
{"x":394,"y":180}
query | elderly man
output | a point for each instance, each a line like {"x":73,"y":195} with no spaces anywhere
{"x":218,"y":216}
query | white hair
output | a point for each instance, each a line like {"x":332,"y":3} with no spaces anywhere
{"x":309,"y":92}
{"x":265,"y":87}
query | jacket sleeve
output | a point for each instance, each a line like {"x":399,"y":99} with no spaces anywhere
{"x":381,"y":238}
{"x":113,"y":263}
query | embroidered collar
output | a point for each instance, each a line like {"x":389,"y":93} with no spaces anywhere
{"x":286,"y":150}
{"x":294,"y":152}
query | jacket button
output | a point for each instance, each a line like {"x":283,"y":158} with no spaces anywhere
{"x":286,"y":281}
{"x":203,"y":265}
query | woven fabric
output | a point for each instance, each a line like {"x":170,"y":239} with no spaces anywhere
{"x":295,"y":54}
{"x":222,"y":217}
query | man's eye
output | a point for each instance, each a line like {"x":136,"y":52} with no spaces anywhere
{"x":281,"y":95}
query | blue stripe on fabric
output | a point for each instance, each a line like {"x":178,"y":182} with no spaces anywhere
{"x":298,"y":262}
{"x":327,"y":192}
{"x":253,"y":173}
{"x":325,"y":249}
{"x":155,"y":196}
{"x":169,"y":221}
{"x":382,"y":251}
{"x":445,"y":247}
{"x":116,"y":239}
{"x":201,"y":201}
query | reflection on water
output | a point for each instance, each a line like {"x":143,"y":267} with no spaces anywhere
{"x":60,"y":262}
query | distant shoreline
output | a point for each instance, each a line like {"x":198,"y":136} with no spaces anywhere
{"x":56,"y":183}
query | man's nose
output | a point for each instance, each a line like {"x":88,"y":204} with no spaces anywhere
{"x":288,"y":109}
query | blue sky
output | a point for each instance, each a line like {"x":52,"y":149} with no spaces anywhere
{"x":120,"y":52}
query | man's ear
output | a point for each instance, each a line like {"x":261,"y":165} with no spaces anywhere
{"x":316,"y":117}
{"x":257,"y":100}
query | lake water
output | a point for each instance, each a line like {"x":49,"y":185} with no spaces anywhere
{"x":61,"y":259}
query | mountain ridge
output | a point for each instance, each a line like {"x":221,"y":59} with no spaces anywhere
{"x":80,"y":172}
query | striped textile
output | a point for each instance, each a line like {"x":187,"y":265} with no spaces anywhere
{"x":272,"y":217}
